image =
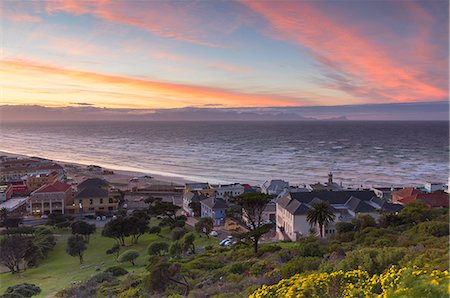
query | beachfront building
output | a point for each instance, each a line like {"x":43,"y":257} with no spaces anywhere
{"x":17,"y":168}
{"x":171,"y":193}
{"x":214,"y":208}
{"x":384,"y":193}
{"x":228,"y":191}
{"x":50,"y":198}
{"x":292,"y":209}
{"x":94,"y":196}
{"x":434,"y":186}
{"x":34,"y":181}
{"x":274,"y":187}
{"x":6,"y":192}
{"x":409,"y":194}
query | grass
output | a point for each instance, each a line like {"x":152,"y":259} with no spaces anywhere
{"x":59,"y":269}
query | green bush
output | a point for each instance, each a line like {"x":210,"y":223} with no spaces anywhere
{"x":155,"y":230}
{"x":312,"y":249}
{"x":258,"y":269}
{"x":129,"y":256}
{"x":239,"y":268}
{"x":116,"y":271}
{"x":22,"y":290}
{"x":102,"y":277}
{"x":434,"y":228}
{"x":157,"y":247}
{"x":300,"y":265}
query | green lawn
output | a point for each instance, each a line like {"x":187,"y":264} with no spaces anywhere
{"x":59,"y":269}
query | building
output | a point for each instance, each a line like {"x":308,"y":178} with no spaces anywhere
{"x":16,"y":206}
{"x":167,"y":192}
{"x":94,"y":196}
{"x":434,"y":186}
{"x":384,"y":193}
{"x":34,"y":181}
{"x":409,"y":194}
{"x":6,"y":192}
{"x":328,"y":186}
{"x":16,"y":169}
{"x":50,"y":198}
{"x":292,"y":209}
{"x":190,"y":197}
{"x":274,"y":187}
{"x":214,"y":208}
{"x":228,"y":191}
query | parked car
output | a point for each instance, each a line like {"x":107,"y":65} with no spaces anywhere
{"x":214,"y":234}
{"x":225,"y":242}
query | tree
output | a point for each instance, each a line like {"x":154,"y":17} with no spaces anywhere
{"x":177,"y":233}
{"x":162,"y":273}
{"x":364,"y":221}
{"x":137,"y":226}
{"x":82,"y":228}
{"x":157,"y":207}
{"x":320,"y":214}
{"x":3,"y":216}
{"x":205,"y":225}
{"x":176,"y":249}
{"x":157,"y":247}
{"x":117,"y":229}
{"x":115,"y":249}
{"x":42,"y":241}
{"x":76,"y":246}
{"x":8,"y":221}
{"x":196,"y":207}
{"x":253,"y":205}
{"x":155,"y":230}
{"x":13,"y":249}
{"x":129,"y":256}
{"x":188,"y":242}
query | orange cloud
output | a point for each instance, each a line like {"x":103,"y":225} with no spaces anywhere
{"x":28,"y":82}
{"x":352,"y":61}
{"x":178,"y":21}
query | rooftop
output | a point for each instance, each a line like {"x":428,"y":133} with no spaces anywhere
{"x":57,"y":186}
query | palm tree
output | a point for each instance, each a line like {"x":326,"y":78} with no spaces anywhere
{"x":320,"y":214}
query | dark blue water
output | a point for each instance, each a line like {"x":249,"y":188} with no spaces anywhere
{"x":301,"y":152}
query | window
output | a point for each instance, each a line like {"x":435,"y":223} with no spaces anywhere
{"x":101,"y":208}
{"x":101,"y":201}
{"x":91,"y":201}
{"x":110,"y":200}
{"x":81,"y":202}
{"x":110,"y":208}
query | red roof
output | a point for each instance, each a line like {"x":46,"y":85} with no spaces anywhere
{"x":434,"y":199}
{"x":54,"y":187}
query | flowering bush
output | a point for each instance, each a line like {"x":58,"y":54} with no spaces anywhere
{"x":394,"y":282}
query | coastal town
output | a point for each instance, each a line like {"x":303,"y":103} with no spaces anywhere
{"x":32,"y":188}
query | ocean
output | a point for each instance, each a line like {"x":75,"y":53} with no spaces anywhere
{"x":357,"y":152}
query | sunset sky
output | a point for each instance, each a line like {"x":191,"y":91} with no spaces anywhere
{"x":148,"y":54}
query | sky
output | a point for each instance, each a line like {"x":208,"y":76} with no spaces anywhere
{"x":222,"y":54}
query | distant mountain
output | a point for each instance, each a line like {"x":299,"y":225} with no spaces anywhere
{"x":86,"y":112}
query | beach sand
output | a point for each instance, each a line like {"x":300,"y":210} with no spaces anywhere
{"x":79,"y":172}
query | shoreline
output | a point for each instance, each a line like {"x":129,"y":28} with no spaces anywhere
{"x":120,"y":176}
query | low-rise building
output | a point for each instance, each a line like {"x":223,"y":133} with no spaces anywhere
{"x":34,"y":181}
{"x":94,"y":196}
{"x":292,"y":209}
{"x":50,"y":198}
{"x":192,"y":197}
{"x":214,"y":208}
{"x":15,"y":169}
{"x":274,"y":187}
{"x":409,"y":194}
{"x":434,"y":186}
{"x":328,"y":186}
{"x":6,"y":192}
{"x":228,"y":191}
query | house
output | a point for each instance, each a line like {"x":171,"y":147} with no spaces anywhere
{"x":34,"y":181}
{"x":94,"y":196}
{"x":268,"y":215}
{"x":384,"y":193}
{"x":434,"y":186}
{"x":409,"y":194}
{"x":328,"y":186}
{"x":228,"y":191}
{"x":167,"y":192}
{"x":292,"y":209}
{"x":6,"y":192}
{"x":214,"y":208}
{"x":50,"y":198}
{"x":274,"y":187}
{"x":192,"y":196}
{"x":16,"y":206}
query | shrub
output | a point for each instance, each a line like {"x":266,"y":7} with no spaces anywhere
{"x":116,"y":271}
{"x":101,"y":277}
{"x":22,"y":290}
{"x":129,"y":256}
{"x":344,"y":227}
{"x":177,"y":233}
{"x":209,"y":247}
{"x":238,"y":268}
{"x":258,"y":269}
{"x":312,"y":249}
{"x":364,"y":221}
{"x":435,"y":228}
{"x":155,"y":230}
{"x":300,"y":265}
{"x":268,"y":248}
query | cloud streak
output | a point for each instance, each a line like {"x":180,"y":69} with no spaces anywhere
{"x":351,"y":60}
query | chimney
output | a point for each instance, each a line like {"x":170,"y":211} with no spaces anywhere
{"x":330,"y":178}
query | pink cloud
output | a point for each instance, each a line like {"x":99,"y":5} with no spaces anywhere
{"x":351,"y":60}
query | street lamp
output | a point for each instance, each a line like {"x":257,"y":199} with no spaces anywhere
{"x":81,"y":210}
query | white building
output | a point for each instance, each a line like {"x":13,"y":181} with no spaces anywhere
{"x":434,"y":186}
{"x":292,"y":209}
{"x":274,"y":187}
{"x":228,"y":191}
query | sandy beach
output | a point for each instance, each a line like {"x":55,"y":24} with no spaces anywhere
{"x":79,"y":171}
